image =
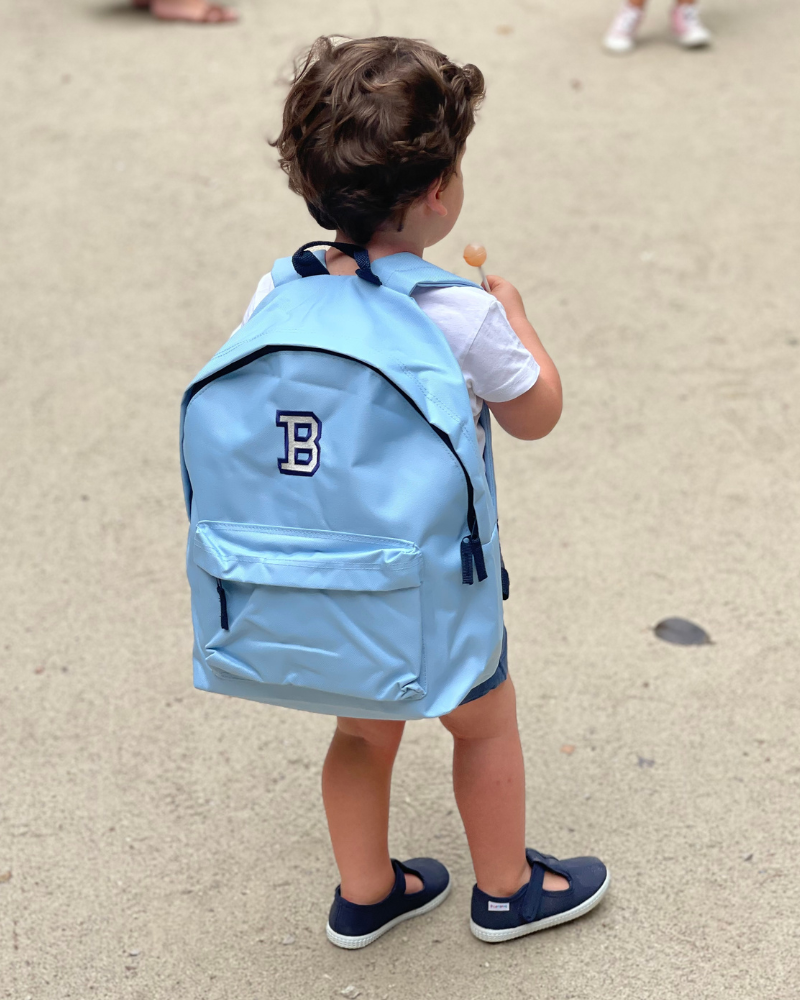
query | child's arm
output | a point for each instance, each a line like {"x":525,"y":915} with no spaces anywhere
{"x":535,"y":413}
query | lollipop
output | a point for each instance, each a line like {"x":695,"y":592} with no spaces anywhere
{"x":475,"y":256}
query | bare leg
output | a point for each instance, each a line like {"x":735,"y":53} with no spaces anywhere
{"x":356,"y":782}
{"x":489,"y":785}
{"x":641,"y":4}
{"x":198,"y":11}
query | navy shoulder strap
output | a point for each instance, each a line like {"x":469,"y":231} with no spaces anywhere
{"x":307,"y":262}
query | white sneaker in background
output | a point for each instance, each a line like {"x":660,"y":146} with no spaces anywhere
{"x":689,"y":29}
{"x":621,"y":36}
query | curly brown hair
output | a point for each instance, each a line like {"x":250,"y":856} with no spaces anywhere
{"x":369,"y":124}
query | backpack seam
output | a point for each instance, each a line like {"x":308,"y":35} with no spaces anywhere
{"x":312,"y":563}
{"x":269,"y":529}
{"x":228,"y":347}
{"x":428,"y":394}
{"x":197,"y":395}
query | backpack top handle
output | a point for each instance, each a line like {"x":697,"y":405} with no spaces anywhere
{"x":307,"y":264}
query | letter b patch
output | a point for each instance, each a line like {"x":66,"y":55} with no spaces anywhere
{"x":301,"y":431}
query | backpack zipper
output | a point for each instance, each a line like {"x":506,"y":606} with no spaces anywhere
{"x":223,"y":606}
{"x":471,"y":549}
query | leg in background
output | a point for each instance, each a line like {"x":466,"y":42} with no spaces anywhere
{"x":198,"y":11}
{"x":687,"y":25}
{"x":621,"y":36}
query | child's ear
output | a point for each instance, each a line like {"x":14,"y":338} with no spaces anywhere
{"x":433,"y":198}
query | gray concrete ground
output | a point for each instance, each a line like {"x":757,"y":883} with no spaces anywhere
{"x":160,"y":843}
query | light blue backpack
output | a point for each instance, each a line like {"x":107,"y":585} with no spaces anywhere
{"x":343,"y":552}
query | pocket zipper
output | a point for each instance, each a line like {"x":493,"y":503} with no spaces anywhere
{"x":223,"y":607}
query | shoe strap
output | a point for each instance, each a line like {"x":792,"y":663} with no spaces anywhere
{"x":400,"y":872}
{"x":550,"y":862}
{"x":533,"y":894}
{"x":540,"y":863}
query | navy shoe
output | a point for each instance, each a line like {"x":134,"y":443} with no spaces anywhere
{"x":351,"y":925}
{"x":500,"y":918}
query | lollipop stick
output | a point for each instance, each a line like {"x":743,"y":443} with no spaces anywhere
{"x":475,"y":256}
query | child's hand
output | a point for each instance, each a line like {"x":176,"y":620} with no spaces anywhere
{"x":507,"y":295}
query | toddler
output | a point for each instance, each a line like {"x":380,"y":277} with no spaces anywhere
{"x":373,"y":138}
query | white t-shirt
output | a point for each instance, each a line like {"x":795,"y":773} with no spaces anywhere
{"x":495,"y":364}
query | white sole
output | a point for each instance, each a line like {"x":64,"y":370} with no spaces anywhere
{"x":495,"y":936}
{"x":618,"y":50}
{"x":343,"y":941}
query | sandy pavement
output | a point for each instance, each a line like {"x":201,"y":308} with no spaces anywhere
{"x":160,"y":844}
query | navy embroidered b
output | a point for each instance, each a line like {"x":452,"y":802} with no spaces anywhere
{"x":301,"y":431}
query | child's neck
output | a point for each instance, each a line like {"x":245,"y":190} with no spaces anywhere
{"x":383,"y":244}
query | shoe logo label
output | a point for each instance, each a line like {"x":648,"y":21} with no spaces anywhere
{"x":499,"y":907}
{"x":301,"y":432}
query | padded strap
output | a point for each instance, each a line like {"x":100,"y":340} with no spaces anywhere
{"x":282,"y":271}
{"x":403,"y":272}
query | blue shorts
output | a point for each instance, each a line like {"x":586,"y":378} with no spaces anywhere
{"x":495,"y":680}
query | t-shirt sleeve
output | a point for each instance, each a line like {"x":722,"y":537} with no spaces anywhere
{"x":497,"y":365}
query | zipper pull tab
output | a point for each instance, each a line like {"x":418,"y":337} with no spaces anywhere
{"x":466,"y":560}
{"x":477,"y":555}
{"x":471,"y":551}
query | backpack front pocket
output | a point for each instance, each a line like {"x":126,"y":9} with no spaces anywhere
{"x":322,"y":610}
